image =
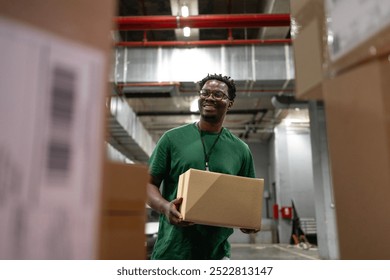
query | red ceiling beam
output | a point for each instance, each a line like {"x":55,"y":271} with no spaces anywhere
{"x":133,"y":44}
{"x":201,"y":21}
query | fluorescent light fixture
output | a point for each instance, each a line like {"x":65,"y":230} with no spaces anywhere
{"x":187,"y":32}
{"x":185,"y":12}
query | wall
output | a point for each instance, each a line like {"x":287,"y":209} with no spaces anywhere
{"x":293,"y":173}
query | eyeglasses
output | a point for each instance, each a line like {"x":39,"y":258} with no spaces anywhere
{"x":217,"y":94}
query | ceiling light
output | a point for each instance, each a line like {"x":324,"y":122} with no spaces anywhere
{"x":187,"y":32}
{"x":185,"y":12}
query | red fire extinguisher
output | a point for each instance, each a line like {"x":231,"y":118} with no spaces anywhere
{"x":286,"y":212}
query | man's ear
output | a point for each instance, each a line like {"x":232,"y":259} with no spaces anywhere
{"x":230,"y":104}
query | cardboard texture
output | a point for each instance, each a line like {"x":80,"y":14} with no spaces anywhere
{"x":123,"y":237}
{"x":122,"y":226}
{"x":357,"y":41}
{"x":124,"y":187}
{"x":358,"y":124}
{"x":85,"y":21}
{"x":221,"y":200}
{"x":309,"y":46}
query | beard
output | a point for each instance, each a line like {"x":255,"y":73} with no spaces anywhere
{"x":215,"y":116}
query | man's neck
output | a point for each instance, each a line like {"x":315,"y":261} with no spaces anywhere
{"x":208,"y":126}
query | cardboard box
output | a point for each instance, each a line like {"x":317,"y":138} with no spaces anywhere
{"x":83,"y":21}
{"x":328,"y":40}
{"x":54,"y":62}
{"x":122,"y":237}
{"x":124,"y":187}
{"x":358,"y":124}
{"x":123,"y":218}
{"x":358,"y":32}
{"x":309,"y":47}
{"x":221,"y":200}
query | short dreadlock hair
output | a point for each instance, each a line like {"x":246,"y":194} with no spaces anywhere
{"x":227,"y":80}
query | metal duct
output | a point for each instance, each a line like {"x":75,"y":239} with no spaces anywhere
{"x":127,"y":133}
{"x":287,"y":102}
{"x":188,"y":113}
{"x":246,"y":63}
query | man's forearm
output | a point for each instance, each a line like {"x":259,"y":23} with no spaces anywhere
{"x":155,"y":199}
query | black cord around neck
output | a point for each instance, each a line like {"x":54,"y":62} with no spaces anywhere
{"x":207,"y":154}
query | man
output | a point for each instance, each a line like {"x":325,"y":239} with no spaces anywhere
{"x":203,"y":145}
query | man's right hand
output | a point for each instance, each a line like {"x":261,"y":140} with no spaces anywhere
{"x":172,"y":213}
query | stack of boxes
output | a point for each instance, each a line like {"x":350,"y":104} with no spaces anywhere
{"x":352,"y":76}
{"x":54,"y":64}
{"x":122,"y":232}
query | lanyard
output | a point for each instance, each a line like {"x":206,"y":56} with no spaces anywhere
{"x":207,"y":155}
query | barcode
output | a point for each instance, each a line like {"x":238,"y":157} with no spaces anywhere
{"x":61,"y":119}
{"x":59,"y":156}
{"x":62,"y":96}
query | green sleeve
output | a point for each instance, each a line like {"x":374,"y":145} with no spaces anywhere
{"x":159,"y":162}
{"x":248,"y":169}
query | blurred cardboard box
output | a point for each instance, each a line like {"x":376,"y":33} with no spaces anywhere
{"x":54,"y":63}
{"x":221,"y":200}
{"x":122,"y":237}
{"x":356,"y":32}
{"x":122,"y":223}
{"x":332,"y":37}
{"x":357,"y":106}
{"x":84,"y":21}
{"x":124,"y":187}
{"x":308,"y":32}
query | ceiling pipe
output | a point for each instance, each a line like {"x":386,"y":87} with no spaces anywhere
{"x":287,"y":102}
{"x":120,"y":87}
{"x":188,"y":113}
{"x":148,"y":84}
{"x":201,"y":21}
{"x":278,"y":90}
{"x":133,"y":44}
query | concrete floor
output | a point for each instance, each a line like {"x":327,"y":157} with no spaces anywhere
{"x":272,"y":252}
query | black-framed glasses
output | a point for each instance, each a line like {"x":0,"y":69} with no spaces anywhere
{"x":217,"y":94}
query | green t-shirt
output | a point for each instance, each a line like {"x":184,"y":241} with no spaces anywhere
{"x":178,"y":150}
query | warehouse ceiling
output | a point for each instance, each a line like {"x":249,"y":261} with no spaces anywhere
{"x":164,"y":101}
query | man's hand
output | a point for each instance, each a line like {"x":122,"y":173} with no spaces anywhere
{"x":173,"y":215}
{"x":248,"y":231}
